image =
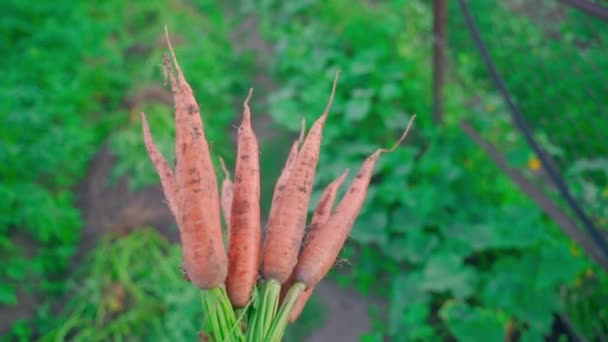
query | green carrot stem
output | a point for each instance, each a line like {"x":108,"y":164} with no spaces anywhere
{"x":263,"y":316}
{"x":209,"y":307}
{"x":222,"y":318}
{"x":280,"y":322}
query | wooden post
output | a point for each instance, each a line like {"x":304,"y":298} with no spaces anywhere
{"x":439,"y":43}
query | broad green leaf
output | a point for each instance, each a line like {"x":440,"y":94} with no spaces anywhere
{"x":389,"y":91}
{"x":416,"y":247}
{"x":284,"y":109}
{"x":512,"y":286}
{"x":8,"y":294}
{"x":409,"y":310}
{"x":358,"y":107}
{"x":401,"y":221}
{"x":371,"y":228}
{"x":557,"y":266}
{"x":531,"y":335}
{"x":446,"y":272}
{"x":421,"y":202}
{"x":468,"y":323}
{"x":389,"y":194}
{"x":510,"y":227}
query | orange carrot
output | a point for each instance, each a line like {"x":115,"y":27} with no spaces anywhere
{"x":163,"y":169}
{"x":227,"y":193}
{"x":245,"y":224}
{"x":286,"y":172}
{"x":323,"y":245}
{"x":286,"y":226}
{"x":319,"y":218}
{"x":324,"y":208}
{"x":198,"y":198}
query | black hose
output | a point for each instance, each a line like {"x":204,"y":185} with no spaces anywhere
{"x":523,"y":126}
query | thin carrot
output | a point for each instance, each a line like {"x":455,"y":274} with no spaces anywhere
{"x":323,"y":245}
{"x":324,"y":208}
{"x":167,"y":180}
{"x":319,"y":218}
{"x":286,"y":172}
{"x":286,"y":226}
{"x":245,"y":224}
{"x":198,"y":200}
{"x":227,"y":193}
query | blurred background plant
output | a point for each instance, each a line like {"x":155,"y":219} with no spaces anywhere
{"x":447,"y":244}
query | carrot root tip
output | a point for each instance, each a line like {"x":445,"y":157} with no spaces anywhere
{"x":333,"y":93}
{"x":302,"y":131}
{"x":403,"y":136}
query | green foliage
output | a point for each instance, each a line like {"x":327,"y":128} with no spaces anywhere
{"x":554,"y":96}
{"x":463,"y":251}
{"x":55,"y":83}
{"x":116,"y":296}
{"x":473,"y":323}
{"x":444,"y":236}
{"x":586,"y":298}
{"x":132,"y":157}
{"x":209,"y":65}
{"x":69,"y":71}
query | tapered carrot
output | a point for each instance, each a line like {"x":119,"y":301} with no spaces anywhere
{"x":167,"y":180}
{"x":198,"y":198}
{"x":286,"y":172}
{"x":245,"y":223}
{"x":286,"y":226}
{"x":324,"y":208}
{"x":323,"y":245}
{"x":319,"y":218}
{"x":227,"y":193}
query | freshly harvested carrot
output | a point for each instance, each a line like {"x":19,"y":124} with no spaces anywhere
{"x":245,"y":223}
{"x":167,"y":180}
{"x":319,"y":218}
{"x":198,"y":198}
{"x":286,"y":226}
{"x":227,"y":193}
{"x":326,"y":203}
{"x":286,"y":172}
{"x":323,"y":245}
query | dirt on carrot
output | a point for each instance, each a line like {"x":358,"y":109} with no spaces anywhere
{"x":320,"y":216}
{"x":198,"y":199}
{"x":323,"y":245}
{"x":286,"y":172}
{"x":286,"y":226}
{"x":289,"y":256}
{"x":167,"y":180}
{"x":245,"y":220}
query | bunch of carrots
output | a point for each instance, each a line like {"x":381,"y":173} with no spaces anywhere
{"x":252,"y":287}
